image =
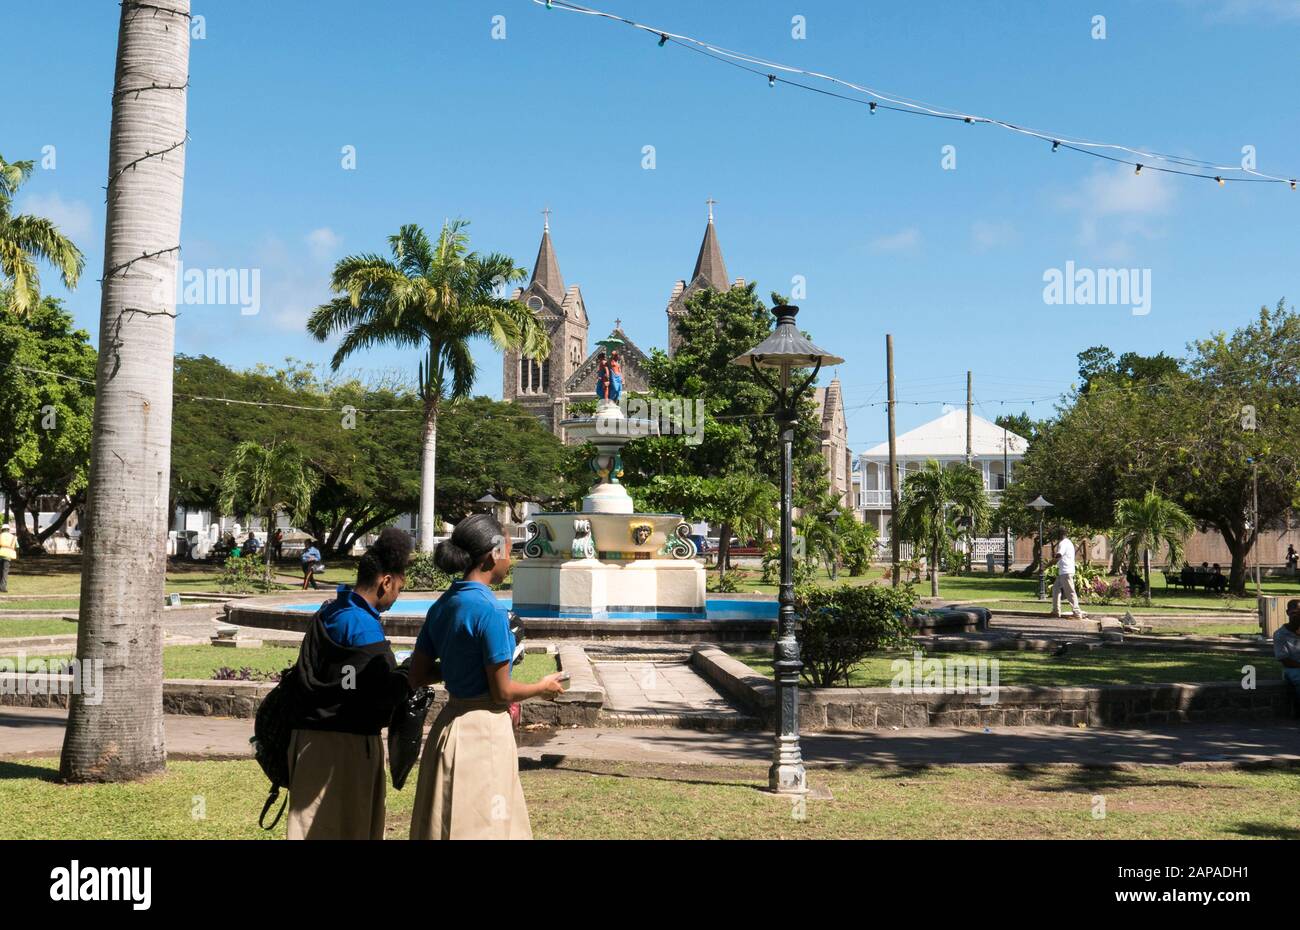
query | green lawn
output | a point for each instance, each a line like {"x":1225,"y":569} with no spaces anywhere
{"x":36,"y":626}
{"x":203,"y":661}
{"x":1010,"y":591}
{"x":588,"y":800}
{"x":11,"y":605}
{"x":56,"y":575}
{"x":1098,"y":667}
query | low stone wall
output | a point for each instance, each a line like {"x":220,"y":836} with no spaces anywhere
{"x":850,"y":709}
{"x":579,"y":706}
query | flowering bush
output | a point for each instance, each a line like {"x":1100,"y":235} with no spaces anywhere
{"x":226,"y":673}
{"x":1109,"y":590}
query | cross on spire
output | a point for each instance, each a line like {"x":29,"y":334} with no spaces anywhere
{"x":546,"y":220}
{"x":710,"y":202}
{"x":618,"y":324}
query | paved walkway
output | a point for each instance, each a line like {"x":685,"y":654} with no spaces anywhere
{"x":658,"y":688}
{"x":26,"y":732}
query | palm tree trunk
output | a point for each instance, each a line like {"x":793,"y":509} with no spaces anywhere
{"x":428,"y":466}
{"x":120,"y":736}
{"x":266,"y":549}
{"x":934,"y":568}
{"x":1146,"y":572}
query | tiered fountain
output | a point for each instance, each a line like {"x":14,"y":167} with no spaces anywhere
{"x":607,"y":561}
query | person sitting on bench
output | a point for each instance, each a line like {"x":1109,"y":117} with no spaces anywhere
{"x":1286,"y":648}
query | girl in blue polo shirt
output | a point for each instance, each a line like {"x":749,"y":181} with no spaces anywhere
{"x":469,"y":774}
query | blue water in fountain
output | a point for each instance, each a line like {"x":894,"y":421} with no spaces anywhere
{"x":715,"y":609}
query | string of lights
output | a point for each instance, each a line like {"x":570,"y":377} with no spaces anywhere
{"x":875,"y":100}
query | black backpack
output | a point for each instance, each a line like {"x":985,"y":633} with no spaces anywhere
{"x":272,"y":733}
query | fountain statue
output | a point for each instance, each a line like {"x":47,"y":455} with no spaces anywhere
{"x":607,"y":560}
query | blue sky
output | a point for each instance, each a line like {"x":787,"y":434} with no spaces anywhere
{"x":447,"y":122}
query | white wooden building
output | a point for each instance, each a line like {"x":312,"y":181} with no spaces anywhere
{"x":994,"y":451}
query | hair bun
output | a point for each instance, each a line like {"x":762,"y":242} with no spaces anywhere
{"x":451,"y":558}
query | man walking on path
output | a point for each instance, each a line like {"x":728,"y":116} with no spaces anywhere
{"x":8,"y":552}
{"x":1064,"y":583}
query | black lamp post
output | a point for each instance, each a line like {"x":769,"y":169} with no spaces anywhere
{"x":1040,"y":504}
{"x":785,"y":350}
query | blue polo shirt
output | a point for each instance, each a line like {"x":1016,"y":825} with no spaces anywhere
{"x":350,"y":620}
{"x":467,"y":629}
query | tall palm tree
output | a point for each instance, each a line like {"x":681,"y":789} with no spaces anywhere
{"x":1147,"y":523}
{"x":435,"y":296}
{"x":268,"y":480}
{"x":934,"y":502}
{"x":120,"y":735}
{"x":26,"y":239}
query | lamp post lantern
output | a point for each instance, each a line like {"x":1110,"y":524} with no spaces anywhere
{"x":784,"y":350}
{"x":1040,"y":504}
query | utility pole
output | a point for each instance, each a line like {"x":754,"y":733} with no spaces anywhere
{"x":893,"y":461}
{"x":1006,"y":484}
{"x":970,"y":463}
{"x":970,"y":458}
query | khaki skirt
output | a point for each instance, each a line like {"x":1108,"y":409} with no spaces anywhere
{"x":336,"y":786}
{"x":469,"y":777}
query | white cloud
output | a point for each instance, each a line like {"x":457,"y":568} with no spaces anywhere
{"x":988,"y":236}
{"x":1116,"y":206}
{"x":905,"y":240}
{"x":1238,"y":10}
{"x":324,"y":243}
{"x":74,"y":218}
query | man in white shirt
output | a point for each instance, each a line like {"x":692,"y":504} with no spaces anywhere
{"x":1064,"y":584}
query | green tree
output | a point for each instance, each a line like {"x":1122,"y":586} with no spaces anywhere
{"x":47,"y":398}
{"x":499,"y":448}
{"x":25,"y":240}
{"x":1182,"y":434}
{"x":742,"y":504}
{"x":1022,"y":424}
{"x":357,"y":437}
{"x":265,"y":480}
{"x":435,"y":296}
{"x":932,"y":501}
{"x":739,"y":440}
{"x":1150,"y":522}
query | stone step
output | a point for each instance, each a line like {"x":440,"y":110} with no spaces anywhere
{"x":706,"y":720}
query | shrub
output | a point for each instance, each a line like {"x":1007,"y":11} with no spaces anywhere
{"x":805,"y":570}
{"x":840,"y":626}
{"x":242,"y":575}
{"x":1109,"y":590}
{"x":724,"y":584}
{"x":423,"y":575}
{"x":226,"y":673}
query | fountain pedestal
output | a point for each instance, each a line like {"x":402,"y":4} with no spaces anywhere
{"x":607,"y":559}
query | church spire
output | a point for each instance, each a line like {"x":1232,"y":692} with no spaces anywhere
{"x":709,"y":264}
{"x":546,"y":270}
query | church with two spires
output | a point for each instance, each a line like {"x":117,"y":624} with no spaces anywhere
{"x":548,"y":388}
